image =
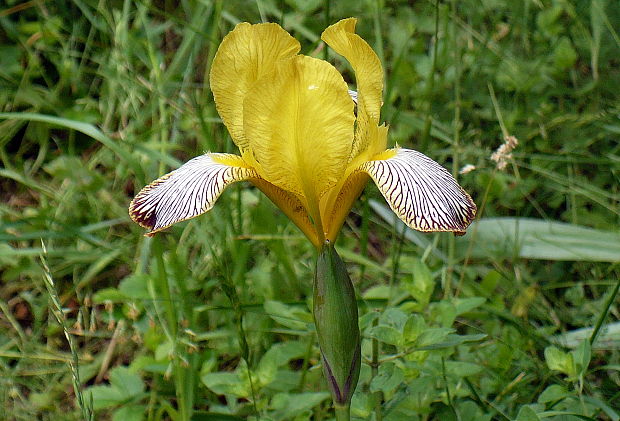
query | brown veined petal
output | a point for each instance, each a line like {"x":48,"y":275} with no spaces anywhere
{"x":188,"y":191}
{"x":245,"y":55}
{"x":299,"y":121}
{"x":342,"y":38}
{"x":421,"y":192}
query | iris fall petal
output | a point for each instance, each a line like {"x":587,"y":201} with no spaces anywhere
{"x":421,"y":192}
{"x":188,"y":191}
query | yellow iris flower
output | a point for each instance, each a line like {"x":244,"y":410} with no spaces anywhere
{"x":305,"y":140}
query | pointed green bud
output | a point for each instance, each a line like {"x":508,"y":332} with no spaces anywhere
{"x":335,"y":316}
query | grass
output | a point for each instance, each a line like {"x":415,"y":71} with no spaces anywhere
{"x":212,"y":319}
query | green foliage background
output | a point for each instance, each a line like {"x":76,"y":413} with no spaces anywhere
{"x":516,"y":320}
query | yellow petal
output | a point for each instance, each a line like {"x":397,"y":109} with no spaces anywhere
{"x":291,"y":206}
{"x":343,"y":203}
{"x":188,"y":191}
{"x":368,"y":74}
{"x":246,"y":54}
{"x":421,"y":192}
{"x":299,"y":122}
{"x":336,"y":206}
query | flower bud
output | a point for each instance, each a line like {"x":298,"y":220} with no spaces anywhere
{"x":335,"y":317}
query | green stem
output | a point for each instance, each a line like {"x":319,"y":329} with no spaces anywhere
{"x":603,"y":316}
{"x":431,"y":85}
{"x":374,"y":366}
{"x":343,"y":413}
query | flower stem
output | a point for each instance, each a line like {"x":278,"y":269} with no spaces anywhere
{"x":343,"y":412}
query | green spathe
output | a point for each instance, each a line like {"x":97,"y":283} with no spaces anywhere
{"x":335,"y":316}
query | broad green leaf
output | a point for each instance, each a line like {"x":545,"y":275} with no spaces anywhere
{"x":453,"y":340}
{"x":293,"y":317}
{"x":104,"y":396}
{"x":538,"y":239}
{"x":213,"y":416}
{"x":420,"y":286}
{"x":288,"y":405}
{"x":387,"y":334}
{"x":127,"y":382}
{"x":414,"y":327}
{"x":564,"y":55}
{"x":390,"y":377}
{"x":277,"y":356}
{"x":463,"y":305}
{"x":135,"y":286}
{"x":463,"y":368}
{"x":226,"y":383}
{"x":560,"y":361}
{"x":608,"y":337}
{"x":553,"y":393}
{"x":527,"y":414}
{"x":109,"y":294}
{"x":130,"y":413}
{"x":433,"y":336}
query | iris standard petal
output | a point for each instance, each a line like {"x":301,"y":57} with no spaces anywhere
{"x":421,"y":192}
{"x":368,"y":75}
{"x":299,"y":122}
{"x":188,"y":191}
{"x":245,"y":55}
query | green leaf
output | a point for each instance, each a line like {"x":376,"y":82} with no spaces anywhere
{"x":548,"y":21}
{"x":453,"y":340}
{"x":553,"y":393}
{"x":420,"y":286}
{"x":559,"y":360}
{"x":104,"y":396}
{"x":135,"y":286}
{"x":463,"y":368}
{"x":130,"y":413}
{"x":293,"y":317}
{"x":582,"y":355}
{"x":527,"y":414}
{"x":128,"y":383}
{"x":433,"y":336}
{"x":226,"y":383}
{"x":390,"y":377}
{"x":86,"y":128}
{"x":463,"y":305}
{"x":109,"y":294}
{"x":608,"y":337}
{"x":124,"y":386}
{"x":387,"y":335}
{"x":289,"y":405}
{"x":564,"y":55}
{"x":413,"y":328}
{"x":276,"y":356}
{"x":611,"y":412}
{"x":538,"y":239}
{"x":213,"y":416}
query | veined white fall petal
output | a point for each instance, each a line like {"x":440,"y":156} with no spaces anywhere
{"x":186,"y":192}
{"x":421,"y":192}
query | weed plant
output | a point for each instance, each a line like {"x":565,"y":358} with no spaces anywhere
{"x":517,"y":320}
